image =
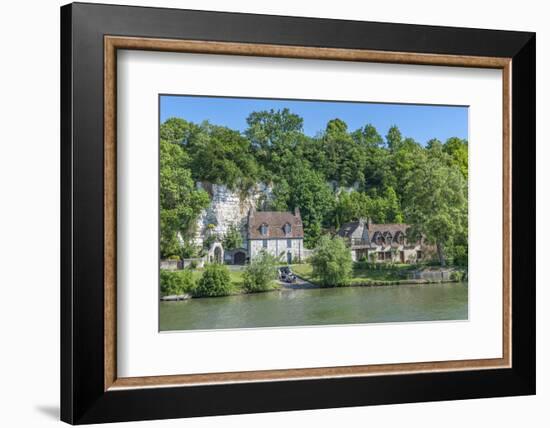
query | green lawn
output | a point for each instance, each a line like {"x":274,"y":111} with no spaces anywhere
{"x":235,"y":275}
{"x":360,"y":275}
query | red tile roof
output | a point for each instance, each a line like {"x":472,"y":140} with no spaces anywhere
{"x":275,"y":222}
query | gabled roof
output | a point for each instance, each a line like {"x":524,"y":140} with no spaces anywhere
{"x":347,"y":229}
{"x":393,"y":228}
{"x":275,"y":222}
{"x":373,"y":229}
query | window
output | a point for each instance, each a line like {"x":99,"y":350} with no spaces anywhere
{"x":380,"y":255}
{"x":263,"y":229}
{"x":287,"y":228}
{"x":289,"y":243}
{"x":418,"y":254}
{"x":264,"y":243}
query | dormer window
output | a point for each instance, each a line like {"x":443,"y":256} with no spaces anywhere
{"x":263,"y":229}
{"x":287,"y":228}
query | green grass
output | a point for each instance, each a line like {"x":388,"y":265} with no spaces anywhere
{"x":304,"y":271}
{"x":360,"y":274}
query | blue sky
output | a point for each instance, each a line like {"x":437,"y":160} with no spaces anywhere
{"x":421,"y":122}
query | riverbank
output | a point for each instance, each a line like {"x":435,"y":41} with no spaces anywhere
{"x":361,"y":277}
{"x":380,"y":276}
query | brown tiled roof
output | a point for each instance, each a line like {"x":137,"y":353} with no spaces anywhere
{"x":275,"y":221}
{"x":388,"y":227}
{"x":373,"y":228}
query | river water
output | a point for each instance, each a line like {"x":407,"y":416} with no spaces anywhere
{"x":348,"y":305}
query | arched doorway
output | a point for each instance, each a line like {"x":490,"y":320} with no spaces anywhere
{"x":239,"y":258}
{"x":216,"y":253}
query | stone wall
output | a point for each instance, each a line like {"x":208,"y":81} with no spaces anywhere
{"x":170,"y":264}
{"x":279,"y":248}
{"x":227,"y":208}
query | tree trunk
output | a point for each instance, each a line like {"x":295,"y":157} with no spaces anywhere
{"x":440,"y":254}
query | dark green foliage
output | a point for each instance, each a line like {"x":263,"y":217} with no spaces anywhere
{"x":274,"y":136}
{"x":307,"y":190}
{"x":176,"y":282}
{"x":215,"y":281}
{"x":261,"y":273}
{"x":436,"y":201}
{"x":222,"y":156}
{"x":233,"y":239}
{"x":331,"y":262}
{"x":180,"y":201}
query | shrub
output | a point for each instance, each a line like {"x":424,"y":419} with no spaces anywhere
{"x":460,"y":253}
{"x":189,"y":250}
{"x":176,"y":282}
{"x":173,"y":257}
{"x":457,"y":276}
{"x":260,"y":273}
{"x":193,"y":265}
{"x":233,"y":238}
{"x":332,"y":262}
{"x":215,"y":281}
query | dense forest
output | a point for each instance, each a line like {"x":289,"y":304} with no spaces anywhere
{"x":337,"y":176}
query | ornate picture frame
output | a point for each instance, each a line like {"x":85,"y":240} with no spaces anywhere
{"x":91,"y":389}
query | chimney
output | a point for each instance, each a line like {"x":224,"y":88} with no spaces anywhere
{"x":297,"y":213}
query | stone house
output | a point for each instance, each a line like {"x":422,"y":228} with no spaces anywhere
{"x":279,"y":233}
{"x":388,"y":242}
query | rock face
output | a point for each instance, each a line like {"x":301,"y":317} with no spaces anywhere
{"x":228,"y":207}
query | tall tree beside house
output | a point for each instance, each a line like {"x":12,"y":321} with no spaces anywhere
{"x":180,"y":201}
{"x":331,"y":261}
{"x":261,"y":273}
{"x":436,"y":203}
{"x":403,"y":159}
{"x":307,"y":190}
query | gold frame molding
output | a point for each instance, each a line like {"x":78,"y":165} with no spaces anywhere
{"x":113,"y":43}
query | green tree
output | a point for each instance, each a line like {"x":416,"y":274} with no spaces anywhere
{"x":222,"y":156}
{"x":215,"y":281}
{"x":177,"y":130}
{"x":332,"y":262}
{"x":394,"y":138}
{"x":404,"y":158}
{"x":233,"y":238}
{"x":274,"y":136}
{"x":261,"y":273}
{"x":176,"y":283}
{"x":458,"y":151}
{"x":377,"y":170}
{"x":345,"y":158}
{"x":307,"y":190}
{"x":436,"y":203}
{"x":392,"y":207}
{"x":180,"y":202}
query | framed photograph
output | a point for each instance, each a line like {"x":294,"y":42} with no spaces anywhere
{"x":266,"y":213}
